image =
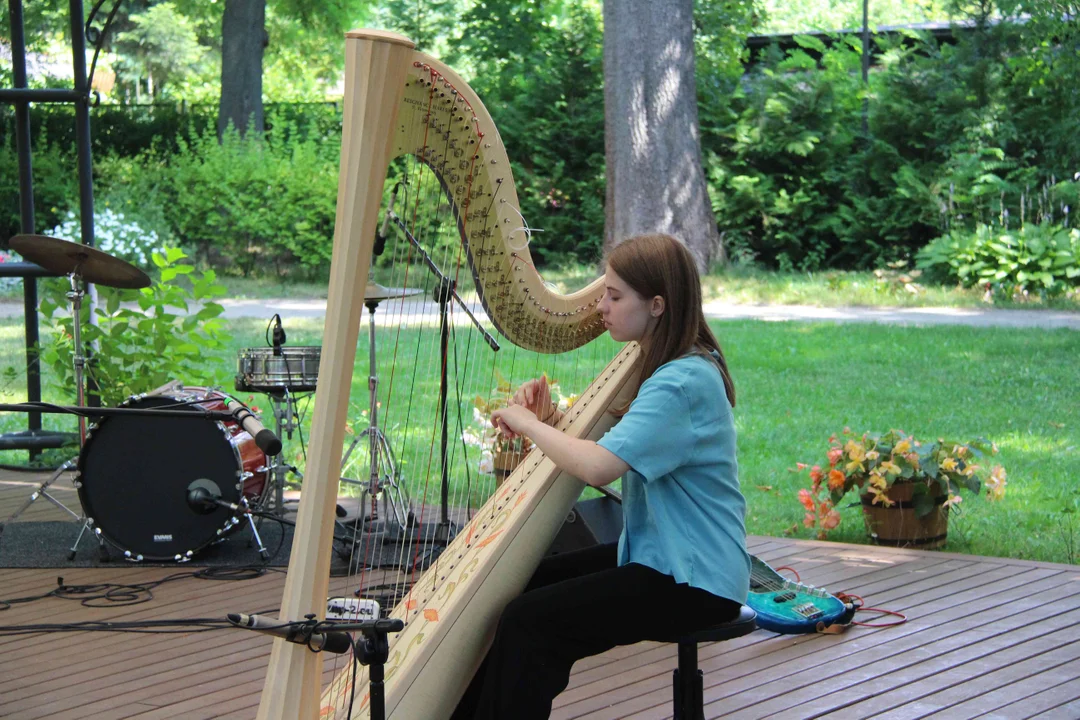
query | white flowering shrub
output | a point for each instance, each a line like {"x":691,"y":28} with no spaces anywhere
{"x":9,"y":284}
{"x":116,"y":235}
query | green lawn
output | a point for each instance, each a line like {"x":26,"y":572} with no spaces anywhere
{"x":797,"y":384}
{"x":739,"y":284}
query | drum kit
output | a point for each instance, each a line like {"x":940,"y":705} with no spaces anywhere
{"x":144,"y":471}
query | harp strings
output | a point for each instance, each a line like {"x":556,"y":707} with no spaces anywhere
{"x":449,"y":216}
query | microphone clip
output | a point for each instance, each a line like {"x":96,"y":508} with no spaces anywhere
{"x":278,"y":335}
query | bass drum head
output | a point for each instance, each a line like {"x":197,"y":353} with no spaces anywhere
{"x":134,"y":477}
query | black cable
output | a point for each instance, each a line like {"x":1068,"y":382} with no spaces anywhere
{"x":158,"y":627}
{"x":102,"y":595}
{"x":352,"y":683}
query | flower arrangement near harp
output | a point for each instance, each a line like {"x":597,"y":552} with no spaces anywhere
{"x":500,"y":455}
{"x":907,"y":487}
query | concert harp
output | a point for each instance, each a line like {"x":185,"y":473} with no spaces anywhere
{"x":402,"y":103}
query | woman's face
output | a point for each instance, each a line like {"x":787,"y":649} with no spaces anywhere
{"x":627,"y":315}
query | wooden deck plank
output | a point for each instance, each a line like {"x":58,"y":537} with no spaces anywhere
{"x":985,"y":694}
{"x":970,"y":647}
{"x":952,"y":672}
{"x":780,"y":652}
{"x":1047,"y":701}
{"x":786,"y":666}
{"x":907,"y":659}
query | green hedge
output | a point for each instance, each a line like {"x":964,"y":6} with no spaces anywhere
{"x":980,"y":132}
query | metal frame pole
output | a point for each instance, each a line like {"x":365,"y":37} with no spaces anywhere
{"x":26,"y":210}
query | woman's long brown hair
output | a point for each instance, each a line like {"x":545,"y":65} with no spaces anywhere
{"x":661,"y":265}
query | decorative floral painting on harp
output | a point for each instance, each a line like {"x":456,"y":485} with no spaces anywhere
{"x":428,"y":224}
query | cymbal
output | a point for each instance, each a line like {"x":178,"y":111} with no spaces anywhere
{"x":65,"y":257}
{"x":374,"y":291}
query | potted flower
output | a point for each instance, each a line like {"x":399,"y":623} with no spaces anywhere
{"x":499,"y":456}
{"x":906,"y":486}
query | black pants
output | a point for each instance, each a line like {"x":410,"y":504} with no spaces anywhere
{"x":576,"y":605}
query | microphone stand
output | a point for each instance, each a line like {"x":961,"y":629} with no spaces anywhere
{"x":445,"y":291}
{"x":373,"y":650}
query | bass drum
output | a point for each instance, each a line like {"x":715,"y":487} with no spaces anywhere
{"x":135,"y":473}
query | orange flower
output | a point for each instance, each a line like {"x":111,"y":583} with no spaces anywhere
{"x":836,"y":480}
{"x":810,"y":520}
{"x":831,"y":520}
{"x":835,"y":453}
{"x":806,"y":499}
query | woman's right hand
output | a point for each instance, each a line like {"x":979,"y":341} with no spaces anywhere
{"x":535,"y":395}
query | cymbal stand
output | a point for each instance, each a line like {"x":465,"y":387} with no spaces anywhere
{"x":75,"y":295}
{"x":384,"y":476}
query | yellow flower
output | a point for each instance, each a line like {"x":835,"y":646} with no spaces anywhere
{"x":880,"y":497}
{"x":878,"y":481}
{"x":970,"y":470}
{"x":854,"y":466}
{"x":855,"y":451}
{"x":995,"y":484}
{"x":890,"y":467}
{"x":948,"y":465}
{"x":873,"y":455}
{"x":902,"y":447}
{"x":913,"y":459}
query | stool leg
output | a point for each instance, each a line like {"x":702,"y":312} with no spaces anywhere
{"x":688,"y":685}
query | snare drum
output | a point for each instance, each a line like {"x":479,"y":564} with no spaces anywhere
{"x":296,"y":369}
{"x":135,"y":473}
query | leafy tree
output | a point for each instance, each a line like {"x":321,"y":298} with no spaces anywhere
{"x":538,"y":69}
{"x":244,"y":39}
{"x":160,"y":46}
{"x":786,"y":16}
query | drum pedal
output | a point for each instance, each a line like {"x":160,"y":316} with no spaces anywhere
{"x":355,"y":609}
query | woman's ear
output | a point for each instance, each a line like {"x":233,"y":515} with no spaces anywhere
{"x":657,"y":308}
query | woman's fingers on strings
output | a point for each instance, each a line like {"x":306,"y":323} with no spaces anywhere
{"x":501,"y":426}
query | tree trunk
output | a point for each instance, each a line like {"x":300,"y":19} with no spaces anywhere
{"x":243,"y":39}
{"x":655,"y":180}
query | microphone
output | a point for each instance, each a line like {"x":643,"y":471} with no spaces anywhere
{"x":203,"y":501}
{"x":380,"y":236}
{"x":265,"y":439}
{"x":295,"y":632}
{"x":279,"y":336}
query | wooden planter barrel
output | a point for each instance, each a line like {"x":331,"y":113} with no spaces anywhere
{"x":898,"y":526}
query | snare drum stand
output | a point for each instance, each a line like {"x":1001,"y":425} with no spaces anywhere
{"x":384,"y":474}
{"x":286,"y":416}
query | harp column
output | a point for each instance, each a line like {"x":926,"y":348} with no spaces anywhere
{"x":375,"y":67}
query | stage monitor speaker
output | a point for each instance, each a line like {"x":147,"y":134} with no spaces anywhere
{"x":590,"y":522}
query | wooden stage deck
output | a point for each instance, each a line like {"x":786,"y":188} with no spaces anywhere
{"x":985,"y":637}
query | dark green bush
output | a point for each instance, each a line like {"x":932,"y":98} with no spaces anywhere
{"x":55,"y":188}
{"x":973,"y":132}
{"x":249,"y":206}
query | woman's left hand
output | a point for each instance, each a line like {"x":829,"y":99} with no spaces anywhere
{"x":513,"y":420}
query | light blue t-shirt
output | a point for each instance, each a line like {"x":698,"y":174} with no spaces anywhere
{"x":683,"y":511}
